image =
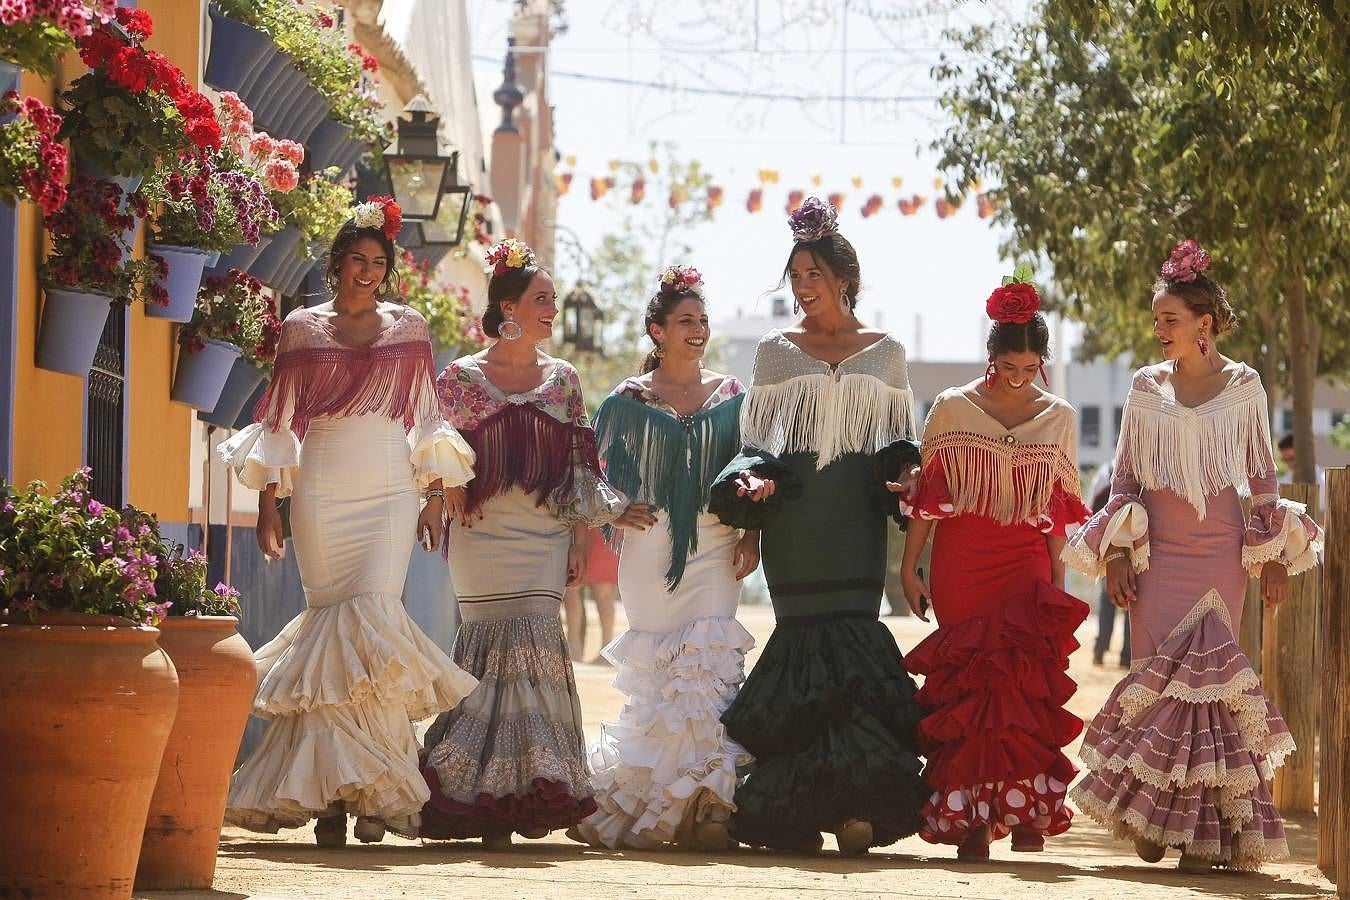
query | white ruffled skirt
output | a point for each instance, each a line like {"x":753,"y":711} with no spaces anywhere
{"x":343,"y":680}
{"x":667,"y":764}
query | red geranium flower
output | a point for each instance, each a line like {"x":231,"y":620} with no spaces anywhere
{"x":1016,"y":302}
{"x":136,"y":21}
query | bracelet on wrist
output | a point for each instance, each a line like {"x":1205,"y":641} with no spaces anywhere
{"x":434,"y":492}
{"x":1120,"y":554}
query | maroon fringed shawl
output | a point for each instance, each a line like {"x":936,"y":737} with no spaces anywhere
{"x":317,"y":375}
{"x":532,"y":441}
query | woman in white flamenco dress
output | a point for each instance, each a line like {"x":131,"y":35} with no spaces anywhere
{"x":665,"y":773}
{"x":350,"y":429}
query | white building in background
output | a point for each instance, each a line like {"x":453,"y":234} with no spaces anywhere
{"x":1096,"y":389}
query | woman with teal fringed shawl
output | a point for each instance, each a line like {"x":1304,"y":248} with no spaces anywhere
{"x":665,"y":773}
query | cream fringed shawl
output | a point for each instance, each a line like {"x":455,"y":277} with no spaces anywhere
{"x":799,"y":404}
{"x":1195,"y":452}
{"x":1009,"y":475}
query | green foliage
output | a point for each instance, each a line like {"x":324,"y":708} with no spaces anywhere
{"x":624,"y":268}
{"x":1112,"y":133}
{"x":66,"y":551}
{"x":117,"y":131}
{"x":182,"y":583}
{"x":318,"y":207}
{"x":445,"y":306}
{"x":35,"y":45}
{"x":238,"y":309}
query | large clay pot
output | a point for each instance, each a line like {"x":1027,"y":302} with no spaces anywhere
{"x":216,"y":678}
{"x":88,"y":703}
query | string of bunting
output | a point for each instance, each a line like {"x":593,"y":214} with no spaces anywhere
{"x":872,"y":204}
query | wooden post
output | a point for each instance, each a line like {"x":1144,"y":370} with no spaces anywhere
{"x":1289,"y":673}
{"x":1333,"y":849}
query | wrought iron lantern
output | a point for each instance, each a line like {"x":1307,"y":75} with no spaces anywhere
{"x":582,"y":320}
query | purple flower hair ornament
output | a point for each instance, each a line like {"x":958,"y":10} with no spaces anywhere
{"x":813,"y":220}
{"x":1186,"y":261}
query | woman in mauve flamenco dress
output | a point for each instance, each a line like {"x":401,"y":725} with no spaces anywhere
{"x":350,"y":429}
{"x":828,"y":711}
{"x":999,"y":491}
{"x":1181,"y":753}
{"x":511,"y":757}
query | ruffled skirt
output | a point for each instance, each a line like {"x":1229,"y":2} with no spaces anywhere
{"x":829,"y":714}
{"x":995,"y":687}
{"x":341,"y":684}
{"x":1182,"y":752}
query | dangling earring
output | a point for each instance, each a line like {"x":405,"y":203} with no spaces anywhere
{"x":1043,"y":378}
{"x":990,"y":374}
{"x":659,"y":352}
{"x":796,"y":307}
{"x":509,"y":330}
{"x":843,"y":298}
{"x":1204,"y":344}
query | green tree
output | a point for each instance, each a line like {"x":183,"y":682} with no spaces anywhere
{"x":623,"y":267}
{"x":1110,"y":137}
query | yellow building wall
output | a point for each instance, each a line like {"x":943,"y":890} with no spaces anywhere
{"x":49,"y":406}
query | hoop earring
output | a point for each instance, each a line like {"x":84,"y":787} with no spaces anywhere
{"x":990,"y":374}
{"x":509,"y":330}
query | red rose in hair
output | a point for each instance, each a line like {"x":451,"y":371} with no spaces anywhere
{"x":1016,"y":302}
{"x":393,"y":217}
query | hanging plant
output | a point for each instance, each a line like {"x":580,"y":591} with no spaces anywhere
{"x":134,"y":107}
{"x":209,"y":200}
{"x":445,"y":306}
{"x":233,"y":308}
{"x":318,"y":207}
{"x":36,"y":33}
{"x":33,"y":163}
{"x":89,"y":245}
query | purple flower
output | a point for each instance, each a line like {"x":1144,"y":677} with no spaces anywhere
{"x":813,"y":220}
{"x":1187,"y":260}
{"x":95,"y":508}
{"x":123,"y":534}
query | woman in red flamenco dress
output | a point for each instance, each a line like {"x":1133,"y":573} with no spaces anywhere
{"x":999,"y":489}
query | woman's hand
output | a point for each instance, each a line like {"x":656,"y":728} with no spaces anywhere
{"x":745,"y":558}
{"x":917,"y":594}
{"x":1274,"y":583}
{"x":576,"y":560}
{"x":640,"y":516}
{"x":1120,"y":580}
{"x":271,"y":541}
{"x":456,"y":503}
{"x":429,"y":523}
{"x":754,"y":487}
{"x":907,"y":486}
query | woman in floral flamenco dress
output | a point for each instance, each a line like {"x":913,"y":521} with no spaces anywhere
{"x":1182,"y":752}
{"x":665,"y":772}
{"x":350,"y":429}
{"x":511,"y":758}
{"x":999,"y":491}
{"x":828,"y":711}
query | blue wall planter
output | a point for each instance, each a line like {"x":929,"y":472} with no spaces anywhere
{"x":72,"y":322}
{"x":182,"y":282}
{"x":238,"y":54}
{"x":277,"y":257}
{"x":241,"y":257}
{"x":201,"y":375}
{"x":241,"y":387}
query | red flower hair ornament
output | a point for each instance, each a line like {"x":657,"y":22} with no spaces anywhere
{"x":1186,"y":261}
{"x":1016,"y":299}
{"x":381,"y":212}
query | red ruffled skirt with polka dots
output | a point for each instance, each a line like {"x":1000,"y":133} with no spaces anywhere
{"x":996,"y":681}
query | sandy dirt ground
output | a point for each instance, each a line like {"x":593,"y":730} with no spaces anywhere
{"x":1083,"y":863}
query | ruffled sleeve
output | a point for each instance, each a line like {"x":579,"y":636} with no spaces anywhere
{"x":586,"y":497}
{"x":726,"y":502}
{"x":933,"y":498}
{"x":436,"y":449}
{"x":1278,"y":530}
{"x":268,"y":451}
{"x":1120,"y":525}
{"x":1065,"y":515}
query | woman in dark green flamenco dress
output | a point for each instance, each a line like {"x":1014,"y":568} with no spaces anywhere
{"x":828,"y":711}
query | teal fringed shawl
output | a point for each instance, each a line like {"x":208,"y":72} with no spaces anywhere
{"x":653,"y":457}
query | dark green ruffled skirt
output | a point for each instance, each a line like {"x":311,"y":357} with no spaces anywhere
{"x":830,"y":716}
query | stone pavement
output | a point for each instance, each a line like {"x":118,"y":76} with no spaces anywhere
{"x":1083,"y":863}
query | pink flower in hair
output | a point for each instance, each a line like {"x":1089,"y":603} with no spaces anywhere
{"x":1187,"y":260}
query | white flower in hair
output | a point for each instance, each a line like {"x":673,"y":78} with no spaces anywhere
{"x":369,"y":215}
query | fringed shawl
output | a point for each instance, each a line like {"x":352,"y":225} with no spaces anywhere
{"x":1009,"y":475}
{"x":1195,"y":452}
{"x":671,"y":462}
{"x":316,"y":375}
{"x":799,"y":404}
{"x":533,"y":441}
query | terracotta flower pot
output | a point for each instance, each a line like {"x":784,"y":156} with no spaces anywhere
{"x":216,"y":678}
{"x":88,"y":703}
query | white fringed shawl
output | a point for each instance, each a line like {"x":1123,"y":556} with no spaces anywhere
{"x":1008,"y":474}
{"x":799,"y":404}
{"x":1196,"y":452}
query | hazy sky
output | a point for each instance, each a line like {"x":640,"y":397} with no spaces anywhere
{"x":803,"y":61}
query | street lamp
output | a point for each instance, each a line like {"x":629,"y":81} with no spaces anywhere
{"x":582,"y":319}
{"x":446,"y":228}
{"x":417,"y":171}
